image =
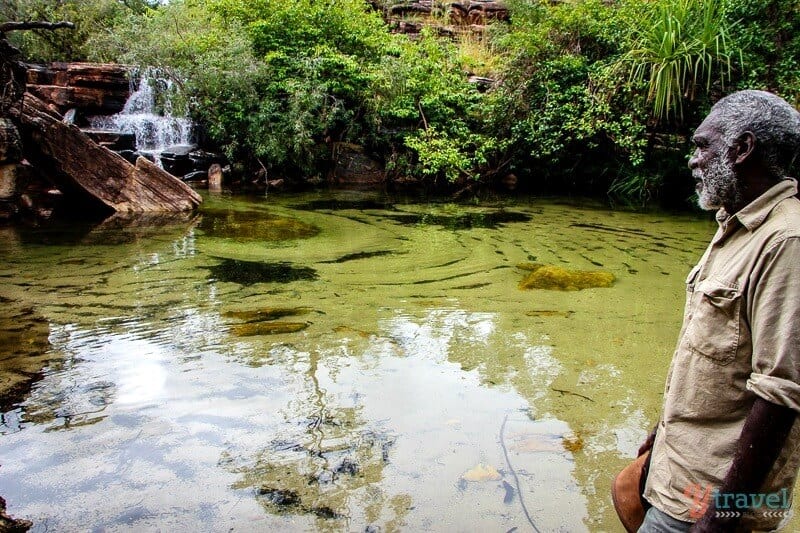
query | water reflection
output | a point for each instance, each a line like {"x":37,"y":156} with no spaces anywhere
{"x":424,"y":390}
{"x":24,"y":343}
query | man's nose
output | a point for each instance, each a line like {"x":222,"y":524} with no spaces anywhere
{"x":693,"y":160}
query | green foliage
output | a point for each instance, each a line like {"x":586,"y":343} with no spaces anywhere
{"x":680,"y":46}
{"x":562,"y":105}
{"x":768,"y":33}
{"x":92,"y":19}
{"x":592,"y":96}
{"x":423,"y":98}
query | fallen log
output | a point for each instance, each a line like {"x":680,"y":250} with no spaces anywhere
{"x":103,"y":179}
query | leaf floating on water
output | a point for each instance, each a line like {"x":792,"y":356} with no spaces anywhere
{"x":482,"y":473}
{"x":267,"y":328}
{"x":533,"y":443}
{"x":555,"y":278}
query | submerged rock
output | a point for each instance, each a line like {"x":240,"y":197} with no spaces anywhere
{"x":268,"y":313}
{"x":12,"y":525}
{"x":251,"y":329}
{"x":254,"y":226}
{"x":280,"y":497}
{"x":551,"y":277}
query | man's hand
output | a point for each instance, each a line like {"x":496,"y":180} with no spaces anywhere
{"x":763,"y":435}
{"x":647,"y":445}
{"x":709,"y":525}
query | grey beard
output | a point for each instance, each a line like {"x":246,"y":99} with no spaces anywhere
{"x":720,"y":186}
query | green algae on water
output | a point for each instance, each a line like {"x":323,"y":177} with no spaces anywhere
{"x":555,"y":278}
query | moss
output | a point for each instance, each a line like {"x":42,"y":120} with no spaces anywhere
{"x":556,"y":278}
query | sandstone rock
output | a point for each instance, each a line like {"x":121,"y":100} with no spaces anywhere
{"x":90,"y":100}
{"x":113,"y":140}
{"x":106,"y":75}
{"x":92,"y":88}
{"x":103,"y":179}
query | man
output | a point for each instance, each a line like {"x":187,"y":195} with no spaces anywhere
{"x":726,"y":450}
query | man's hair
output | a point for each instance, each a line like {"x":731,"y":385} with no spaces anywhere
{"x":775,"y":124}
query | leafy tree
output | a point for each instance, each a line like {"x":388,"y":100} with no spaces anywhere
{"x":92,"y":18}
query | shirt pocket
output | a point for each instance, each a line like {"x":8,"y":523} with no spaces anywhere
{"x":713,"y":329}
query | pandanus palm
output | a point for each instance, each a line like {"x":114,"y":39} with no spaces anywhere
{"x":680,"y":46}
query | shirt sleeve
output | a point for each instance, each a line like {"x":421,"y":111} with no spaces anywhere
{"x":775,"y":326}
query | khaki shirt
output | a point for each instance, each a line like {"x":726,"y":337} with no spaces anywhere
{"x":740,"y":339}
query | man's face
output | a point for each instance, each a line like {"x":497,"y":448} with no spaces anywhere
{"x":712,"y":168}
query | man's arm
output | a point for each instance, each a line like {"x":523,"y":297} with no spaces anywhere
{"x":763,"y":435}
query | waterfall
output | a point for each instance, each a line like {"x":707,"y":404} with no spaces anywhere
{"x":148,"y":114}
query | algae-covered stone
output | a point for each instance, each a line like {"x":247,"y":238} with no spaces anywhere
{"x":267,"y":313}
{"x":268,"y":328}
{"x":556,"y":278}
{"x":253,"y":226}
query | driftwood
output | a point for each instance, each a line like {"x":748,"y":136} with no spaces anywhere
{"x":102,"y":178}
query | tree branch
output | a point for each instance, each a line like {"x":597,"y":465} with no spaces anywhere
{"x":35,"y":25}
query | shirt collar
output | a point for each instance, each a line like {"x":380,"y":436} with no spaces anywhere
{"x":753,"y":214}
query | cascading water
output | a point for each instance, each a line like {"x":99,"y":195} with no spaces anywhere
{"x":148,"y":114}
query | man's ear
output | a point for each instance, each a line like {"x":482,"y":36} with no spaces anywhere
{"x":745,"y":145}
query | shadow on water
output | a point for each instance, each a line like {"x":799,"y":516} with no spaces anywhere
{"x":460,"y":221}
{"x":251,"y":272}
{"x":333,"y":204}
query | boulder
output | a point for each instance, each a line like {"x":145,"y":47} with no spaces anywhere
{"x":176,"y":159}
